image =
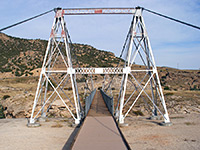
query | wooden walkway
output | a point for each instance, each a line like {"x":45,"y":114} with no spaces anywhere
{"x":99,"y":130}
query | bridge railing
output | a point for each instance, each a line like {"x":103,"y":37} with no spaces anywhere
{"x":88,"y":101}
{"x":109,"y":101}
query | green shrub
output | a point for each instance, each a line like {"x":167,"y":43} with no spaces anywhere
{"x":194,"y":88}
{"x":5,"y":97}
{"x":138,"y":113}
{"x":169,"y":94}
{"x":166,"y":88}
{"x":1,"y":113}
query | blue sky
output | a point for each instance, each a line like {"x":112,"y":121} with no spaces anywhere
{"x":173,"y":44}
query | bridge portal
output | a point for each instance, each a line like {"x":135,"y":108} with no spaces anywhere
{"x":143,"y":82}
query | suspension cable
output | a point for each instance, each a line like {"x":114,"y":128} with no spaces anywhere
{"x":170,"y":18}
{"x":26,"y":20}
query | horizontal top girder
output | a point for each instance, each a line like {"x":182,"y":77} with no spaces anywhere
{"x":92,"y":11}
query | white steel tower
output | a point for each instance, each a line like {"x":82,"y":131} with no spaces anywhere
{"x":143,"y":80}
{"x":57,"y":70}
{"x":56,"y":73}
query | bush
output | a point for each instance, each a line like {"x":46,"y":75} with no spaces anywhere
{"x":195,"y":88}
{"x":163,"y":77}
{"x":5,"y":97}
{"x":169,"y":94}
{"x":69,"y":89}
{"x":1,"y":112}
{"x":166,"y":88}
{"x":138,"y":113}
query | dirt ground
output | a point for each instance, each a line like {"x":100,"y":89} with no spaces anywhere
{"x":141,"y":134}
{"x":15,"y":135}
{"x":146,"y":134}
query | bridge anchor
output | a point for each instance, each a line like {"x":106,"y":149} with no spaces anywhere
{"x":33,"y":123}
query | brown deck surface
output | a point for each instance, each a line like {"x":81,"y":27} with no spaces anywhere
{"x":98,"y":107}
{"x":99,"y":131}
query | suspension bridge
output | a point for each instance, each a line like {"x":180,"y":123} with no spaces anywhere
{"x":137,"y":45}
{"x":100,"y":110}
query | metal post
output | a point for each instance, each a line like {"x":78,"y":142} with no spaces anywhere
{"x":92,"y":82}
{"x":151,"y":81}
{"x":166,"y":116}
{"x":127,"y":65}
{"x":103,"y":84}
{"x":77,"y":121}
{"x":32,"y":121}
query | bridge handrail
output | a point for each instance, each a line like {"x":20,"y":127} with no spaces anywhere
{"x":88,"y":101}
{"x":109,"y":101}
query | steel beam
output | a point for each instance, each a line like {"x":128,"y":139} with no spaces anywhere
{"x":93,"y":11}
{"x":138,"y":44}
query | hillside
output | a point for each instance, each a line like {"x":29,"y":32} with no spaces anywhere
{"x":175,"y":79}
{"x":21,"y":56}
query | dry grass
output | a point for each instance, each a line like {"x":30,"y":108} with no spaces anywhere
{"x":57,"y":125}
{"x":177,"y":117}
{"x":26,"y":87}
{"x":189,"y":123}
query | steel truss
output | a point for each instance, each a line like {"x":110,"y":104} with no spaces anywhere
{"x":139,"y":48}
{"x":54,"y":78}
{"x":144,"y":82}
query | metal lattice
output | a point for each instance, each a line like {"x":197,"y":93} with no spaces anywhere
{"x":136,"y":82}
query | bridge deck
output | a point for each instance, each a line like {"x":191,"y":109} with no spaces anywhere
{"x":99,"y":130}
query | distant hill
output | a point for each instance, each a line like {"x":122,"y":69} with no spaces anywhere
{"x":21,"y":56}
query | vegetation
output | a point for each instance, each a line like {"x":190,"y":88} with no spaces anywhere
{"x":189,"y":123}
{"x":194,"y":88}
{"x":138,"y":113}
{"x":21,"y":56}
{"x":57,"y":125}
{"x":166,"y":88}
{"x":15,"y":54}
{"x":5,"y":97}
{"x":1,"y":112}
{"x":169,"y":94}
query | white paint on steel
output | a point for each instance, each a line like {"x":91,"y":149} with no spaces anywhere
{"x":126,"y":71}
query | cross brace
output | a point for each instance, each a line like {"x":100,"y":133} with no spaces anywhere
{"x":138,"y":45}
